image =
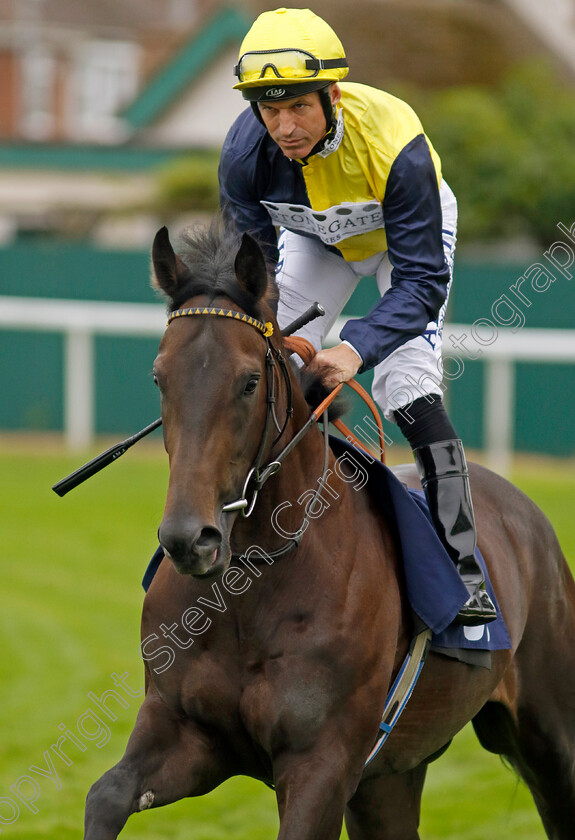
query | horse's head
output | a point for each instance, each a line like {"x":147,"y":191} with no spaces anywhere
{"x":211,"y":372}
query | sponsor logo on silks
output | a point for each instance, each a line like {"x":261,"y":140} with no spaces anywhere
{"x":273,"y":93}
{"x":331,"y":225}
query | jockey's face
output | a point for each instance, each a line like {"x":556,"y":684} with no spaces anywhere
{"x":297,"y":124}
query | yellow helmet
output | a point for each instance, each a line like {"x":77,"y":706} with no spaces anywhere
{"x":286,"y":53}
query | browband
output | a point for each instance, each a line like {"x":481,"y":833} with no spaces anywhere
{"x":265,"y":329}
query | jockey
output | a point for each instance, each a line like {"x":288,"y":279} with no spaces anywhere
{"x":347,"y":175}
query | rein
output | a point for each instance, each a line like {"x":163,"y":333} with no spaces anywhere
{"x":306,"y":352}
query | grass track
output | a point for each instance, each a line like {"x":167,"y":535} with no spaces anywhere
{"x":71,"y":603}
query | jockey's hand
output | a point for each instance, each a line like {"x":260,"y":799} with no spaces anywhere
{"x":335,"y":365}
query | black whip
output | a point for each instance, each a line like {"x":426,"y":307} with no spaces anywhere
{"x":114,"y":452}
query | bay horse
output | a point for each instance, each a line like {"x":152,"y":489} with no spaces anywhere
{"x":270,"y":640}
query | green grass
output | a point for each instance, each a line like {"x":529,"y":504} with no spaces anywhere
{"x":71,"y":601}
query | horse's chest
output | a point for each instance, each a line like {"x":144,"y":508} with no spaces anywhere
{"x":209,"y":692}
{"x":291,"y":687}
{"x":286,"y":706}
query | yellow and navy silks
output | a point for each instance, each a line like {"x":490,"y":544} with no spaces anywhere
{"x":373,"y":187}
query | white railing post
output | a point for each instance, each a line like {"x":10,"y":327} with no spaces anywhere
{"x":79,"y":321}
{"x":79,"y":389}
{"x":499,"y":413}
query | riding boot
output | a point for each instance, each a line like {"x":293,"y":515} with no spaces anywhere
{"x":445,"y":481}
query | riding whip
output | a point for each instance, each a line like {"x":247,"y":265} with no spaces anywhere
{"x":112,"y":454}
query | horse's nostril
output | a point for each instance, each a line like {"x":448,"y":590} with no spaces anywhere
{"x":209,"y":539}
{"x":184,"y":543}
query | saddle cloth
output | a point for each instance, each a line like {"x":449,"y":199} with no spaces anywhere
{"x":434,"y":588}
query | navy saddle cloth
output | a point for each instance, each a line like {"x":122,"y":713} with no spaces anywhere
{"x":434,"y":588}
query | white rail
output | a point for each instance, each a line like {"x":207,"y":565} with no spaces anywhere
{"x":80,"y":321}
{"x":506,"y":347}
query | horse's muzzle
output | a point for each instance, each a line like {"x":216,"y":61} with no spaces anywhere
{"x":193,"y":551}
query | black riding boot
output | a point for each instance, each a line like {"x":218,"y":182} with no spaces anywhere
{"x":445,"y":480}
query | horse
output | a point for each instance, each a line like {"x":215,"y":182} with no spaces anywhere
{"x":276,"y":624}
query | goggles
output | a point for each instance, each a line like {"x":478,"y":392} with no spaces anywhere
{"x":284,"y":63}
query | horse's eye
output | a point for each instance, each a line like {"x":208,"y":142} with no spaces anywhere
{"x":156,"y":380}
{"x":251,"y":384}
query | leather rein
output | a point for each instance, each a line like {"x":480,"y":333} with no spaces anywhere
{"x":258,"y":474}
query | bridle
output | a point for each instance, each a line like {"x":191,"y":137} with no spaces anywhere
{"x":259,"y":473}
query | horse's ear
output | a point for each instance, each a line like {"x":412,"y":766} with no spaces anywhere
{"x":250,"y":267}
{"x":168,"y":269}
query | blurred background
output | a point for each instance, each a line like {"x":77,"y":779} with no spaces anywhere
{"x":111,"y":120}
{"x":112,"y":115}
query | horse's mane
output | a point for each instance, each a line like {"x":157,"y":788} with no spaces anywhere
{"x":208,"y":256}
{"x":315,"y":392}
{"x":208,"y":253}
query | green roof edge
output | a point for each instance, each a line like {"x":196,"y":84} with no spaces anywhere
{"x":227,"y":26}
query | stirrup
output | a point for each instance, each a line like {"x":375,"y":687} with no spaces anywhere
{"x":478,"y":609}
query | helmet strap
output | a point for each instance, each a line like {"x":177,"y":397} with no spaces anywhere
{"x":328,"y":108}
{"x":257,"y":113}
